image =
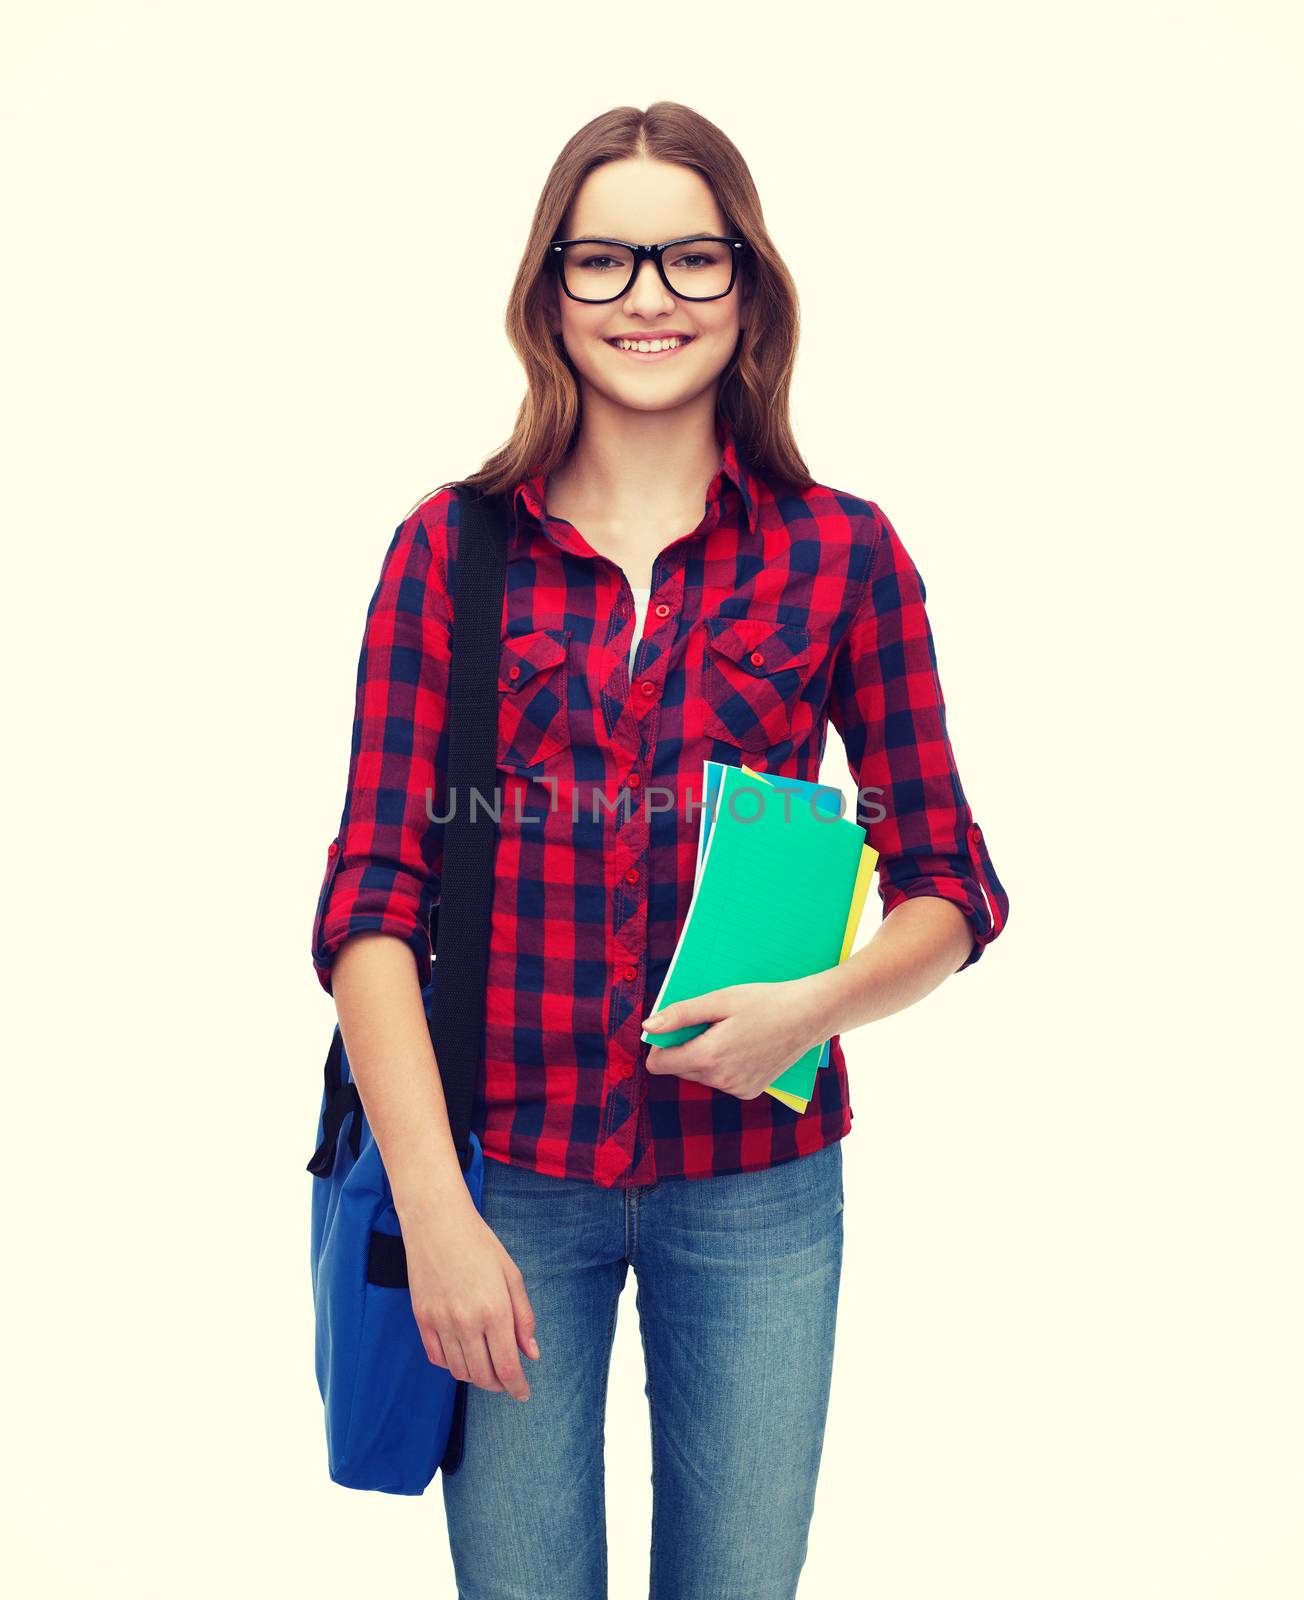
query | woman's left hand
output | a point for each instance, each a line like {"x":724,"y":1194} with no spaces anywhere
{"x":758,"y":1030}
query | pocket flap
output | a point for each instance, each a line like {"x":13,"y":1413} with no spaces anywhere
{"x":757,"y":646}
{"x":524,"y":654}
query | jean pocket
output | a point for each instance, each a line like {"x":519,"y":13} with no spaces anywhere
{"x":533,"y":710}
{"x":753,"y":679}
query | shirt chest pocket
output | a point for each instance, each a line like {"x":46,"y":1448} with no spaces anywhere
{"x":754,"y":675}
{"x":533,"y":714}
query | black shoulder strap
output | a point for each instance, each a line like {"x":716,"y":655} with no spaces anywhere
{"x":459,"y":925}
{"x":457,"y":1016}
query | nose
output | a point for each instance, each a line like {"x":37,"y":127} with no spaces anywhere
{"x":647,"y":292}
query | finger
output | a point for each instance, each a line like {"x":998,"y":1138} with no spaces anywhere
{"x":506,"y":1358}
{"x":434,"y":1347}
{"x":523,"y":1314}
{"x":475,"y":1359}
{"x":673,"y":1060}
{"x":455,"y":1361}
{"x":694,"y":1055}
{"x":483,"y":1366}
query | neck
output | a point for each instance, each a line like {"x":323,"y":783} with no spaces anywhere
{"x":636,"y":474}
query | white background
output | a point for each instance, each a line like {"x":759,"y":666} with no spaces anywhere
{"x":1049,"y":265}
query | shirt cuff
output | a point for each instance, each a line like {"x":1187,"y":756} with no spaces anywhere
{"x":371,"y":897}
{"x":970,"y":884}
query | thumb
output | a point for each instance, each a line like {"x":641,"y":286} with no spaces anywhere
{"x":683,"y":1013}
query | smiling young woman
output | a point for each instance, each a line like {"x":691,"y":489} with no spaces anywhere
{"x":653,"y":457}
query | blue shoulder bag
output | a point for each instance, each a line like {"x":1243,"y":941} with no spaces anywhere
{"x":393,"y":1417}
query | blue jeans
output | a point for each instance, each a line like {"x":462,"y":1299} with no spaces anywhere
{"x":737,"y":1301}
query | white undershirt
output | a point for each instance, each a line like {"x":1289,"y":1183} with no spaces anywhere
{"x":641,"y":597}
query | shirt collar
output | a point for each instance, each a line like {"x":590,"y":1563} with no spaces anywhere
{"x":528,"y":497}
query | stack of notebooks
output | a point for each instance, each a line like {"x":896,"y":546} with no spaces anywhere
{"x":781,"y":884}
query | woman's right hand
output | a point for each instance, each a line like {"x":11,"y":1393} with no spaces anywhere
{"x":468,"y":1295}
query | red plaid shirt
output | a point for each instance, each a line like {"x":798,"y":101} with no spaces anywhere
{"x":778,"y":613}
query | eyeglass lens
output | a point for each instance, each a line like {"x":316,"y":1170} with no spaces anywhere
{"x":697,"y":269}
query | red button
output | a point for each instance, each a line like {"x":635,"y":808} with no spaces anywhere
{"x":632,"y":875}
{"x":648,"y":687}
{"x":663,"y":610}
{"x":630,"y":974}
{"x":513,"y":672}
{"x":635,"y":779}
{"x":627,"y":1071}
{"x":756,"y":658}
{"x":332,"y":849}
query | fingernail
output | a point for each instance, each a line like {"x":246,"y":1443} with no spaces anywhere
{"x":534,"y":1347}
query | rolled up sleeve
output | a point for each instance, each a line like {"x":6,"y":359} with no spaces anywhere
{"x":383,"y":866}
{"x":887,"y":705}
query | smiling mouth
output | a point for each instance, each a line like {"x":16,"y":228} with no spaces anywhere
{"x":659,"y":353}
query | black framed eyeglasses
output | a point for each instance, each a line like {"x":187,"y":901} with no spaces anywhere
{"x":701,"y":266}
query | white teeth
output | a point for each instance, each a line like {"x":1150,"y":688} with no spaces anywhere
{"x":648,"y":344}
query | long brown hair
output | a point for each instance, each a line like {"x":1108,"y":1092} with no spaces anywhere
{"x":753,"y":388}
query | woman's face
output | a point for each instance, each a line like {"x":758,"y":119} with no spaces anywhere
{"x":647,"y":202}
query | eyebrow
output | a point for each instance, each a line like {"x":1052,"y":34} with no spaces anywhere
{"x":611,"y":238}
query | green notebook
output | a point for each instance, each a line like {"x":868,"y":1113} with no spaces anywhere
{"x":770,"y":903}
{"x":822,"y":795}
